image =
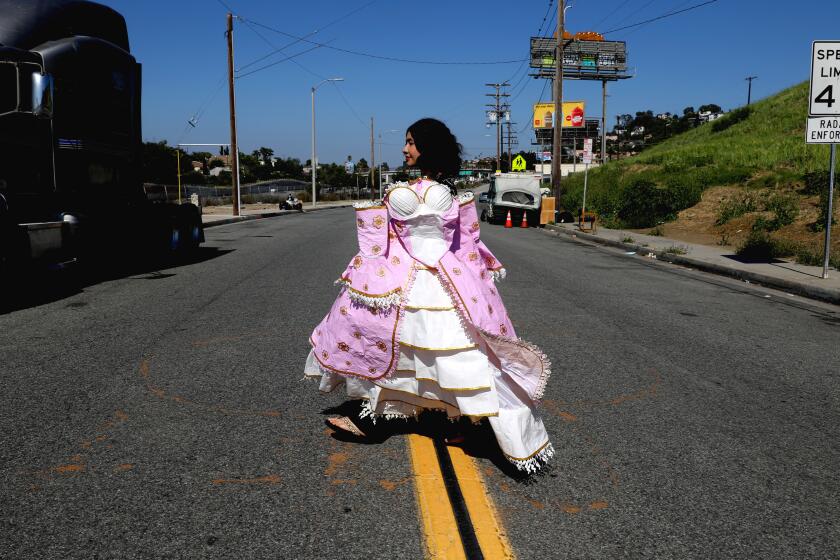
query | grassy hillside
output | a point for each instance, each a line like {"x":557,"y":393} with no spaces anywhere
{"x":759,"y":153}
{"x":767,"y":145}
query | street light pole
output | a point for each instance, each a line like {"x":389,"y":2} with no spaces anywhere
{"x":557,"y":148}
{"x":313,"y":161}
{"x":749,"y":80}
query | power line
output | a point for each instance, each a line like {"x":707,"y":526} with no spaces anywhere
{"x":545,"y":83}
{"x":609,"y":15}
{"x":296,"y":41}
{"x":663,"y":16}
{"x":392,"y":58}
{"x":631,"y":14}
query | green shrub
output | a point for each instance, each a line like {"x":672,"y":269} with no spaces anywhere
{"x":730,"y":119}
{"x":761,"y":245}
{"x":734,"y":208}
{"x":785,"y":208}
{"x":643,"y":204}
{"x":817,"y":183}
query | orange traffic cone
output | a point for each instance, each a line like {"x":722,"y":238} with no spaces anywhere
{"x":524,"y":219}
{"x":508,"y":222}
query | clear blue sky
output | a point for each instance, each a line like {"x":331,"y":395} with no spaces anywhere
{"x":701,"y":56}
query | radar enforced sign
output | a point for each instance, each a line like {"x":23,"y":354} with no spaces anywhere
{"x":823,"y":103}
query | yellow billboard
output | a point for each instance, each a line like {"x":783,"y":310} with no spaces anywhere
{"x":573,"y":112}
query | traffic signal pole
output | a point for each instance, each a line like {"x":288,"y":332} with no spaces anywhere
{"x":558,"y":107}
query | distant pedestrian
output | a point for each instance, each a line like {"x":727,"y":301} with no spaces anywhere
{"x":419,"y":324}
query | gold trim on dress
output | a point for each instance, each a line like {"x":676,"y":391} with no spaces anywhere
{"x":470,"y":347}
{"x":382,"y":207}
{"x":454,"y":287}
{"x":454,"y":389}
{"x":388,"y":196}
{"x":455,"y":406}
{"x":543,"y":446}
{"x":429,"y":308}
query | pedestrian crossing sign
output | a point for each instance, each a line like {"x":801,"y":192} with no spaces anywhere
{"x":518,"y":164}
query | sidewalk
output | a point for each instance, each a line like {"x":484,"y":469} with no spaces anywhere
{"x":794,"y":278}
{"x":221,"y":215}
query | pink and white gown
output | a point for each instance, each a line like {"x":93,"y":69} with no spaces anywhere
{"x":444,"y":364}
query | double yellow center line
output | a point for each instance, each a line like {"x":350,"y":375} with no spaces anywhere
{"x":459,"y":519}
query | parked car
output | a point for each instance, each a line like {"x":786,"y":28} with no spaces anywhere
{"x":517,"y":193}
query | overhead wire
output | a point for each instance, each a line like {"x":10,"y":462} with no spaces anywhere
{"x":391,"y":58}
{"x":340,"y":93}
{"x":609,"y":15}
{"x":663,"y":16}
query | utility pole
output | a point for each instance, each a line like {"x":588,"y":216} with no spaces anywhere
{"x":234,"y":156}
{"x":497,"y":109}
{"x":511,"y":140}
{"x":558,"y":106}
{"x":603,"y":121}
{"x":749,"y":80}
{"x":372,"y":165}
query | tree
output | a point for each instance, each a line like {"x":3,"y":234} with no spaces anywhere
{"x":362,"y":164}
{"x":160,"y":163}
{"x":711,"y":107}
{"x":688,"y":111}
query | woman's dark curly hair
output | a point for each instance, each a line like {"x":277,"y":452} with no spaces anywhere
{"x":440,"y":152}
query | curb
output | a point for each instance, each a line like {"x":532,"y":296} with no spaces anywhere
{"x":812,"y":292}
{"x":262,"y":215}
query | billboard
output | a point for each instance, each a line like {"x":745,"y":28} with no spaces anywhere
{"x":582,"y":59}
{"x":573,"y":112}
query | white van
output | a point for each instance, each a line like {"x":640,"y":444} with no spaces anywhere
{"x":514,"y":192}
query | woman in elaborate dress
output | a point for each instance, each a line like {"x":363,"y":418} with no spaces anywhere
{"x":419,"y":325}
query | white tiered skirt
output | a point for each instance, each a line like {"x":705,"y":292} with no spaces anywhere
{"x":444,"y":367}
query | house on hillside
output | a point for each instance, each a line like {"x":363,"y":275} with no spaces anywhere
{"x":707,"y":116}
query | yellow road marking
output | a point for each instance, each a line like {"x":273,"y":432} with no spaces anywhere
{"x":439,"y":528}
{"x":485,"y":520}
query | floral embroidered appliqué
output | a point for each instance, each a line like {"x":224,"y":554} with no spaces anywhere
{"x":371,"y":370}
{"x":490,"y":309}
{"x":474,"y":299}
{"x":360,"y":222}
{"x":456,"y":271}
{"x":348,"y":364}
{"x":378,"y":222}
{"x":343,"y":347}
{"x":473,"y":256}
{"x":357,"y":335}
{"x":376,"y":249}
{"x":381,"y":345}
{"x":343,"y":310}
{"x":490,"y":261}
{"x":357,"y":262}
{"x":325,"y":355}
{"x":395,"y":260}
{"x":503,"y":329}
{"x":474,"y":226}
{"x":380,"y":272}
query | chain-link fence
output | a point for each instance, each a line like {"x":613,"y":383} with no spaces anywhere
{"x":269,"y":192}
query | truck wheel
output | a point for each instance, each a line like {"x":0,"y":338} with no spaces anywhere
{"x":483,"y":215}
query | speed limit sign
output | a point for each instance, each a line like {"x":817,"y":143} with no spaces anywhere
{"x":824,"y":97}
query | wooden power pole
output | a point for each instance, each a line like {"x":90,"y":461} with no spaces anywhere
{"x":234,"y":149}
{"x":372,"y":165}
{"x":557,"y":151}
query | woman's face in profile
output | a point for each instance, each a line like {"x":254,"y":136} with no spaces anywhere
{"x":410,"y":150}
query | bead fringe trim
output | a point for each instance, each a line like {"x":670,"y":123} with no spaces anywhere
{"x":380,"y":302}
{"x":498,"y":275}
{"x":365,"y":204}
{"x":535,"y":463}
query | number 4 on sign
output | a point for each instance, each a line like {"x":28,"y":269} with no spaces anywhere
{"x":826,"y":96}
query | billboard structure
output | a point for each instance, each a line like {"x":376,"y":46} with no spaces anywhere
{"x":573,"y":113}
{"x":582,"y":60}
{"x":586,"y":56}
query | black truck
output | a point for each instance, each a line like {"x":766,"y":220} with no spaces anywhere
{"x":70,"y":141}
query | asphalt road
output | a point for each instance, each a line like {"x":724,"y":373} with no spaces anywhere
{"x":161,"y":413}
